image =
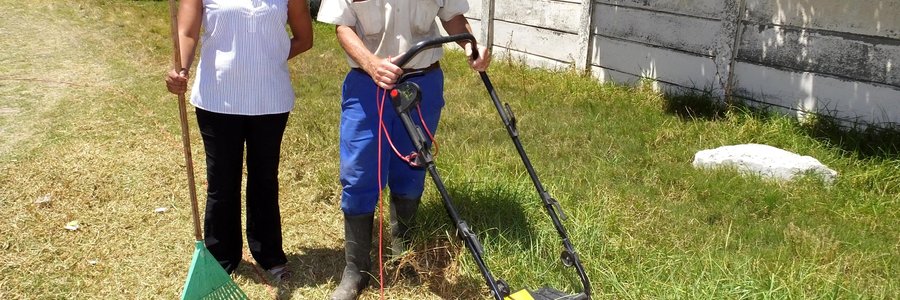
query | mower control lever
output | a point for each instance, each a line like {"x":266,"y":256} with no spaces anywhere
{"x":404,"y":58}
{"x":512,"y":119}
{"x":418,"y":47}
{"x":466,"y":234}
{"x":405,"y":97}
{"x":409,"y":74}
{"x":558,"y":209}
{"x":568,"y":258}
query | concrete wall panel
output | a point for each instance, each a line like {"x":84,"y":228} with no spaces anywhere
{"x":711,"y":9}
{"x":542,"y":42}
{"x":812,"y":92}
{"x":867,"y":17}
{"x":562,"y":16}
{"x":529,"y":59}
{"x":802,"y":50}
{"x":476,"y":26}
{"x":475,"y":10}
{"x":609,"y":75}
{"x":693,"y":34}
{"x":655,"y":63}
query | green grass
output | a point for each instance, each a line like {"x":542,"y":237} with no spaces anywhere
{"x":93,"y":127}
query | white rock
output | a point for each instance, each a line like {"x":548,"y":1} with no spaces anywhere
{"x":72,"y":225}
{"x":764,"y":160}
{"x":43,"y":199}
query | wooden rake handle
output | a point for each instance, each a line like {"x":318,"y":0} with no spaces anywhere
{"x":185,"y":133}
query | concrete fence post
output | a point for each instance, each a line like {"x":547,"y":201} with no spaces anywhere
{"x":583,"y":61}
{"x":487,"y":24}
{"x":728,"y":42}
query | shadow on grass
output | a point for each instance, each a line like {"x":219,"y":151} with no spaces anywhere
{"x":694,"y":106}
{"x":437,"y":264}
{"x":697,"y":105}
{"x":311,"y":268}
{"x":496,"y":216}
{"x":494,"y":212}
{"x":870,"y":142}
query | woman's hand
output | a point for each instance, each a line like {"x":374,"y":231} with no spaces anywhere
{"x":176,"y":81}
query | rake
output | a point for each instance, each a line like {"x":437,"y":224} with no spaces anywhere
{"x":206,"y":278}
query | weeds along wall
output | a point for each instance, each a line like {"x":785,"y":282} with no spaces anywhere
{"x":833,"y":57}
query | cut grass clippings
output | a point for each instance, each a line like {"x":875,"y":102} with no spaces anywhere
{"x":91,"y":135}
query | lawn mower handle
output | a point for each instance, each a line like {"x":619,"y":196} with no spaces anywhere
{"x":499,"y":288}
{"x":418,"y":47}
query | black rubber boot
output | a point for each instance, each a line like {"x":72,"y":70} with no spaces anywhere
{"x":403,"y":214}
{"x":357,"y":245}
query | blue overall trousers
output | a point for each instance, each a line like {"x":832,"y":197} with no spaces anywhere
{"x":359,"y":141}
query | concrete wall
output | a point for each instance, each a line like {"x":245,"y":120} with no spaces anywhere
{"x":837,"y":57}
{"x":518,"y":26}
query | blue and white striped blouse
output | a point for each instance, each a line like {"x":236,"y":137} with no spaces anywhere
{"x":243,"y":58}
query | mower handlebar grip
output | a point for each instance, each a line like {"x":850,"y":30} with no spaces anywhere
{"x":418,"y":47}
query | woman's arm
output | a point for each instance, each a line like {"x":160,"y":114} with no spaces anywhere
{"x":300,"y":23}
{"x":189,"y":19}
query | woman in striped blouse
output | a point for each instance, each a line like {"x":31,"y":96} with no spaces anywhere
{"x":243,"y":95}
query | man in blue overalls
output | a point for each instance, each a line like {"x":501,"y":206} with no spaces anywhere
{"x":371,"y":33}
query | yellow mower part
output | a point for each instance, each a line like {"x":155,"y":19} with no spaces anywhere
{"x":544,"y":293}
{"x":520,"y":295}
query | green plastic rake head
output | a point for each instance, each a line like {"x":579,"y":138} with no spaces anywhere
{"x":207,"y":280}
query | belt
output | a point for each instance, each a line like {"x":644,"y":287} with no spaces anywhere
{"x":435,"y":65}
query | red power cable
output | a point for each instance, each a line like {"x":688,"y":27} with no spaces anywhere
{"x":409,"y":159}
{"x":380,"y":190}
{"x":430,"y":136}
{"x":380,"y":95}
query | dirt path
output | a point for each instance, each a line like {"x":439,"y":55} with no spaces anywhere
{"x":45,"y":62}
{"x":76,"y":132}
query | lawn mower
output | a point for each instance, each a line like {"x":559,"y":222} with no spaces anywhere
{"x":404,"y":97}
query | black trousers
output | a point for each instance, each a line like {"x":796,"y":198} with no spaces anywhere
{"x":224,"y":137}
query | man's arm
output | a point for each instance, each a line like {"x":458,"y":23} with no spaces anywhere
{"x":459,"y":24}
{"x":382,"y":70}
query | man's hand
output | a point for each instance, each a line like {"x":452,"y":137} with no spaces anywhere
{"x":384,"y":72}
{"x":484,"y":58}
